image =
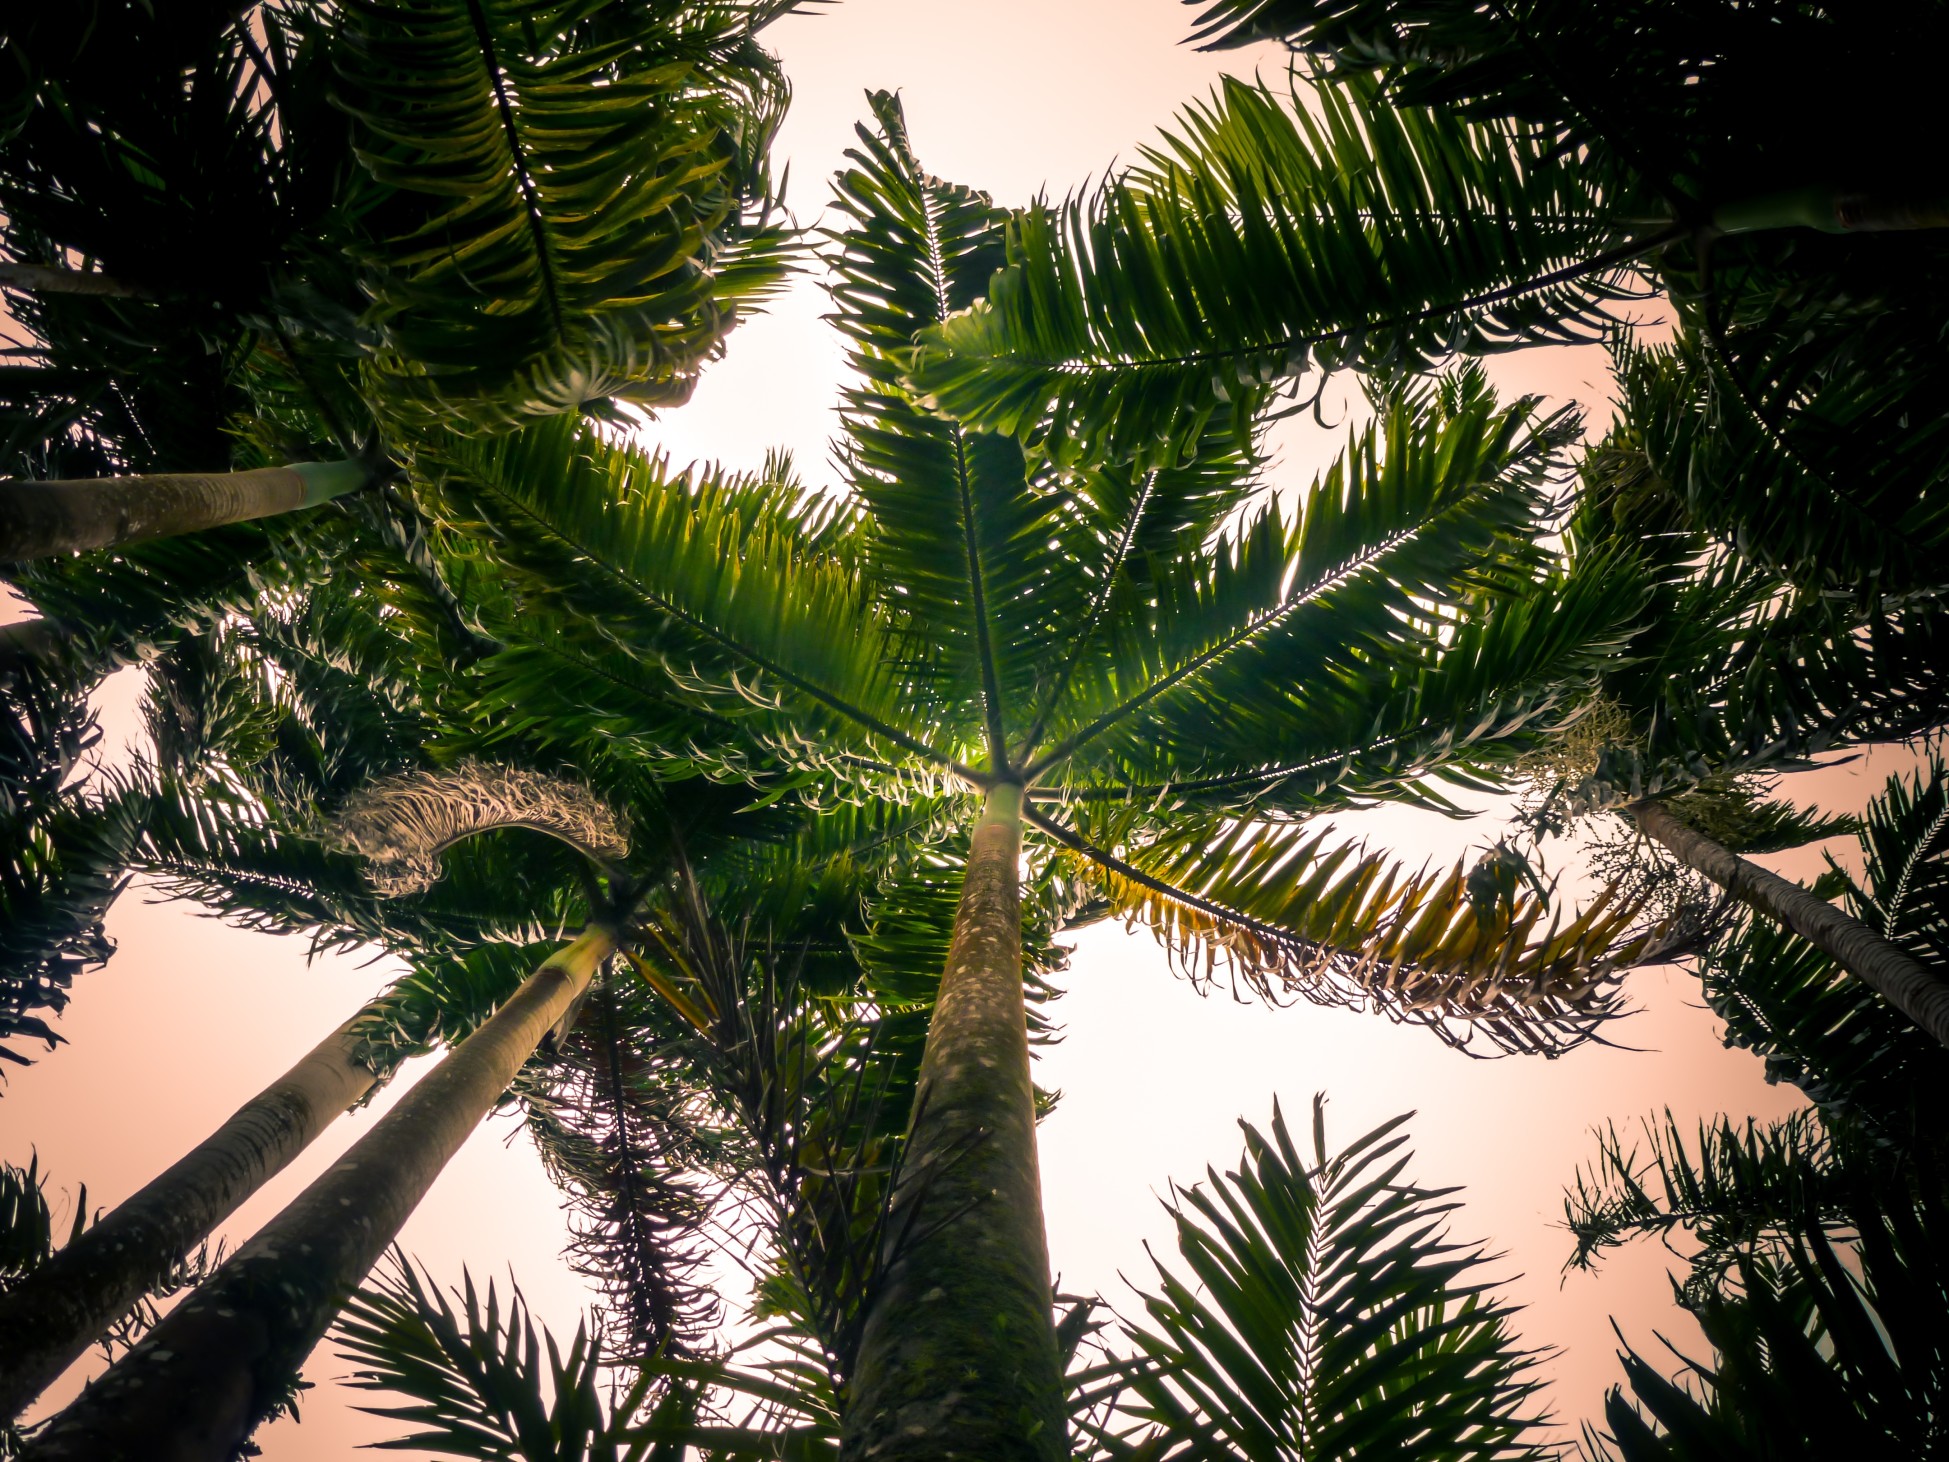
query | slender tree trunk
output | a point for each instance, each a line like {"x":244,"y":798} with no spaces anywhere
{"x":42,"y":519}
{"x":1906,"y":984}
{"x":1833,"y":211}
{"x":52,"y":279}
{"x":197,"y":1384}
{"x":958,"y":1355}
{"x":55,"y":1313}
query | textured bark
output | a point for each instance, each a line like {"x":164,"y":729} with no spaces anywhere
{"x":1909,"y":986}
{"x":42,"y":519}
{"x":51,"y":279}
{"x":197,"y":1384}
{"x":958,"y":1353}
{"x":58,"y":1311}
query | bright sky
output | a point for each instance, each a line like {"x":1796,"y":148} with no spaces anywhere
{"x":1013,"y":96}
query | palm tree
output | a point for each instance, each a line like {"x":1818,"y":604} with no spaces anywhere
{"x":1812,"y":1239}
{"x":247,"y":1328}
{"x":1738,"y":669}
{"x":50,"y":1318}
{"x":276,"y":178}
{"x":198,"y":1383}
{"x":1156,"y":698}
{"x":286,"y":711}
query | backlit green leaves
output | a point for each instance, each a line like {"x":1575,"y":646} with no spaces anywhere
{"x":566,"y":181}
{"x":1262,"y":242}
{"x":1322,"y":1313}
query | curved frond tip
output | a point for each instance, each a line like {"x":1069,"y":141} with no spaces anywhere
{"x":401,"y":824}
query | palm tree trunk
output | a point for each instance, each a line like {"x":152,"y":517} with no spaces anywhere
{"x":52,"y":279}
{"x":55,"y":1313}
{"x":197,"y":1384}
{"x":42,"y":519}
{"x":1906,"y":984}
{"x":1834,"y":211}
{"x":957,"y":1356}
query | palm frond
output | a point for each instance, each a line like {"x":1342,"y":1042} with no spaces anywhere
{"x":703,"y":575}
{"x":1288,"y":913}
{"x":1737,"y":1190}
{"x":1833,"y":1346}
{"x":1904,"y":889}
{"x":1261,"y":242}
{"x":620,"y":1133}
{"x":957,"y":529}
{"x":1241,"y":652}
{"x":572,"y":171}
{"x":1325,"y":1313}
{"x":475,"y":1375}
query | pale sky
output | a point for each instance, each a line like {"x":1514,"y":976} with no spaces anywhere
{"x":192,"y":1017}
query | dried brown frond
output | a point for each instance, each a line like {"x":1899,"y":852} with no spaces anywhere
{"x":401,"y":824}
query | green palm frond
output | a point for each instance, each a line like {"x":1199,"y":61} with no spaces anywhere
{"x":1833,"y":1349}
{"x":1737,"y":1190}
{"x":476,"y":1377}
{"x":957,"y":528}
{"x":1261,"y":242}
{"x":1904,"y":888}
{"x":574,"y":169}
{"x":1325,"y":1313}
{"x":1363,"y":691}
{"x":702,"y":575}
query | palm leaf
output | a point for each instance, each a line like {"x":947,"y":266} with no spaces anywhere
{"x":1738,"y":1190}
{"x":475,"y":1375}
{"x":1287,"y":912}
{"x":955,"y":521}
{"x":1831,"y":1347}
{"x":574,"y":169}
{"x":1325,"y":1314}
{"x":705,"y":576}
{"x":1260,"y":242}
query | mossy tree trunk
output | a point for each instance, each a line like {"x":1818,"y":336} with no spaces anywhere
{"x":1908,"y":985}
{"x":958,"y":1356}
{"x":197,"y":1384}
{"x":59,"y":1310}
{"x":43,"y":519}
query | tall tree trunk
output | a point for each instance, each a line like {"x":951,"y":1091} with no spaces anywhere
{"x":52,"y":279}
{"x":1833,"y":210}
{"x":55,"y":1313}
{"x":1909,"y":986}
{"x":197,"y":1384}
{"x":42,"y":519}
{"x":958,"y":1355}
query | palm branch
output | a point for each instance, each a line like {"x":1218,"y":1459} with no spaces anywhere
{"x":1325,"y":1313}
{"x":1259,"y":242}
